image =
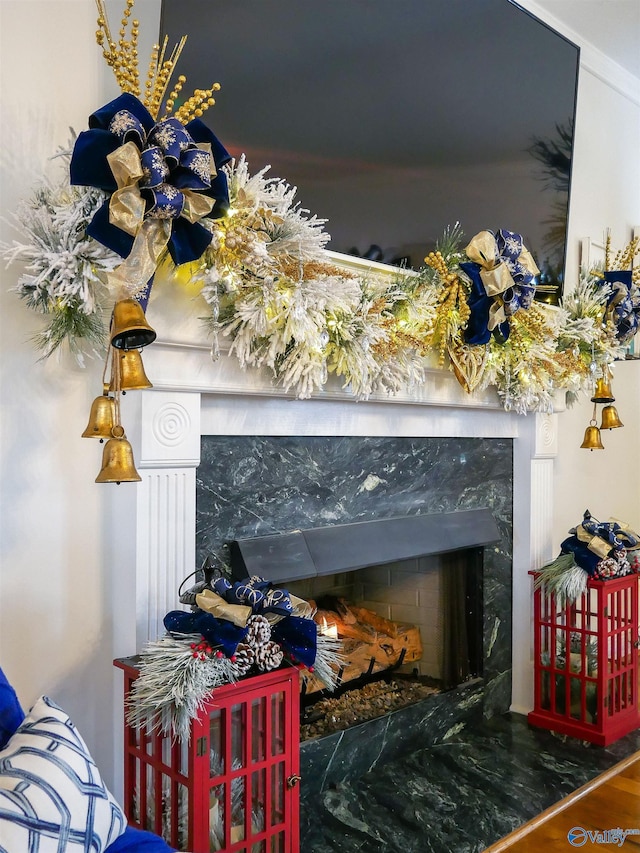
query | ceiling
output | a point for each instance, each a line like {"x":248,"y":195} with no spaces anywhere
{"x":612,"y":26}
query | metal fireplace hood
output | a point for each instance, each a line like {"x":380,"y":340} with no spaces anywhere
{"x":320,"y":551}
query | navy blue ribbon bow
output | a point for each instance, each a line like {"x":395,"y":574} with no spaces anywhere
{"x":502,"y":274}
{"x":297,"y":637}
{"x":172,"y":164}
{"x":257,"y":593}
{"x":611,"y":532}
{"x":623,"y":304}
{"x":218,"y":632}
{"x":477,"y":331}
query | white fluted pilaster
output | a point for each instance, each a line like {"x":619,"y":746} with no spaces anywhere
{"x":167,"y":455}
{"x":534,"y":454}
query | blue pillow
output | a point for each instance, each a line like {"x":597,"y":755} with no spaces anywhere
{"x":52,"y":797}
{"x":134,"y":840}
{"x":11,"y":717}
{"x":11,"y":713}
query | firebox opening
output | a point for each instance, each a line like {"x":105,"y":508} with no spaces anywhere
{"x":409,"y":629}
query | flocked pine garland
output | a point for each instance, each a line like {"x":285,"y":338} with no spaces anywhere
{"x":63,"y":265}
{"x":272,"y":293}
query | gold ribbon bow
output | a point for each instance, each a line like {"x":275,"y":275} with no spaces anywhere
{"x":211,"y":602}
{"x":596,"y":544}
{"x":495,"y":274}
{"x":151,"y":235}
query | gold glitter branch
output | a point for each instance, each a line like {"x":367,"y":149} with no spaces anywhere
{"x":452,"y":313}
{"x":122,"y":58}
{"x":195,"y":106}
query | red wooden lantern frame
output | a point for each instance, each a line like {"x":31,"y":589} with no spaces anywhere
{"x":234,"y":785}
{"x":586,"y":661}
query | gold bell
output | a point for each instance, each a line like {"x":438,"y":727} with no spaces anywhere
{"x":102,"y":418}
{"x":603,"y":394}
{"x":129,"y":327}
{"x":591,"y":438}
{"x":610,"y":418}
{"x":117,"y":460}
{"x":132,"y":375}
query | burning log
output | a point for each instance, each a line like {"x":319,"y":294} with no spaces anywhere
{"x":382,"y":625}
{"x":332,"y":624}
{"x":371,"y":643}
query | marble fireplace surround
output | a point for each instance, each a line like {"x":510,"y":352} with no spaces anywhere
{"x":154,"y":522}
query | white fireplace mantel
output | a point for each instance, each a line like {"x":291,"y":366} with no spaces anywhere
{"x":195,"y":396}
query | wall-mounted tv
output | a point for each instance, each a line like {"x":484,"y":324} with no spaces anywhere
{"x":394,"y":118}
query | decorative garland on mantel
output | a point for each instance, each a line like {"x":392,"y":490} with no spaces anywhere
{"x":266,"y":278}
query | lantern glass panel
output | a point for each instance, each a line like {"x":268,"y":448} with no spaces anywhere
{"x":216,"y":748}
{"x":277,"y":843}
{"x":258,"y":789}
{"x":258,"y":733}
{"x":217,"y":817}
{"x":277,"y":793}
{"x":238,"y":804}
{"x":278,"y":709}
{"x":238,"y":714}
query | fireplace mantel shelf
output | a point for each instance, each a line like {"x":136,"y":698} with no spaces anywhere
{"x":180,"y":366}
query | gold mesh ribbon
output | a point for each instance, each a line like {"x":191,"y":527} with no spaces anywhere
{"x":595,"y":544}
{"x":495,"y":274}
{"x":213,"y":603}
{"x":151,"y":235}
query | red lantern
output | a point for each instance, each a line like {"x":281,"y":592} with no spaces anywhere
{"x":586,"y":661}
{"x":234,"y":785}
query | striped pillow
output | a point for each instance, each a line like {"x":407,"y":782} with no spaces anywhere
{"x":52,"y":797}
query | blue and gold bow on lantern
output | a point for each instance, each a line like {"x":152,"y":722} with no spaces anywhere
{"x":162,"y":177}
{"x":623,"y":303}
{"x":257,"y":593}
{"x":593,"y":541}
{"x":502,"y":273}
{"x":218,"y":632}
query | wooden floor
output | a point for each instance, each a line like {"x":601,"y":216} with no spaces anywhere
{"x":611,"y":801}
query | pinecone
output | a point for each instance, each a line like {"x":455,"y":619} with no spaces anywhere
{"x":268,"y":656}
{"x":258,"y":631}
{"x":245,"y":657}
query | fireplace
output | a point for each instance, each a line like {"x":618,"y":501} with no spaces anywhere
{"x":153,"y":524}
{"x":369,"y":518}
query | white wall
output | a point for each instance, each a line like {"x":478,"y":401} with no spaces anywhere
{"x":605,"y":193}
{"x":60,"y":583}
{"x":59,"y":589}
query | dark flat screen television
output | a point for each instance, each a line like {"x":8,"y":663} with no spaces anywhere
{"x":394,"y":118}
